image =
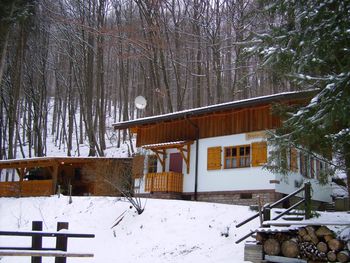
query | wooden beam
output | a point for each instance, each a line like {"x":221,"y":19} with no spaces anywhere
{"x":161,"y":160}
{"x":182,"y":150}
{"x":54,"y":178}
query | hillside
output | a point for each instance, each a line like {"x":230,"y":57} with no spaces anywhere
{"x":167,"y":231}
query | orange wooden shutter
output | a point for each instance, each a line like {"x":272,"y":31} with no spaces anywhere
{"x":214,"y":158}
{"x":293,"y":160}
{"x":259,"y":153}
{"x":137,"y":166}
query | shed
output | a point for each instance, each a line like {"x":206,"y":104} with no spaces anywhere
{"x":41,"y":176}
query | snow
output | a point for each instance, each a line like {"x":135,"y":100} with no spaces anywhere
{"x":167,"y":231}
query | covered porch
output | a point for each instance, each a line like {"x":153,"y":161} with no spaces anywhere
{"x":41,"y":176}
{"x":170,"y":179}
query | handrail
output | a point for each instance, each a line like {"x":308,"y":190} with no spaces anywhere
{"x":267,"y":207}
{"x":289,"y":209}
{"x":271,"y":206}
{"x":287,"y":197}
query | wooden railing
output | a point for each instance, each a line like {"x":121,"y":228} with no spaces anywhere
{"x":164,"y":182}
{"x":26,"y":188}
{"x":266,"y":209}
{"x":36,"y":251}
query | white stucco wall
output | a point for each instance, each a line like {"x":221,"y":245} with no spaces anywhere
{"x":289,"y":183}
{"x":250,"y":178}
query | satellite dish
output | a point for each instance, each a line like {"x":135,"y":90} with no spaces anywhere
{"x":140,"y":102}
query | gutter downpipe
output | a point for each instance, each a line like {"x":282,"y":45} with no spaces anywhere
{"x":197,"y":151}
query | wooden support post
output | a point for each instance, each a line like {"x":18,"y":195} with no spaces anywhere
{"x":37,"y":241}
{"x":70,"y":194}
{"x":61,"y":242}
{"x":267,"y":213}
{"x":260,"y":210}
{"x":307,"y":196}
{"x":54,"y":178}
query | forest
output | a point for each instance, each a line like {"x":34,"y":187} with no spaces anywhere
{"x":86,"y":60}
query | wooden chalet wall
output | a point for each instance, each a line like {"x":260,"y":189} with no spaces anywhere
{"x":88,"y":176}
{"x":210,"y":125}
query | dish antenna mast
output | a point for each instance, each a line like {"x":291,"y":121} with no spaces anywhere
{"x":140,"y":102}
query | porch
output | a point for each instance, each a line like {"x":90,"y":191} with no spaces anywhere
{"x":164,"y":182}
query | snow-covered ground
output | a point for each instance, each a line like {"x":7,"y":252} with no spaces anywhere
{"x":167,"y":231}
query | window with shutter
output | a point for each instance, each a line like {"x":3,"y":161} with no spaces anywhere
{"x":259,"y":153}
{"x":137,"y":166}
{"x":237,"y":156}
{"x":214,"y":158}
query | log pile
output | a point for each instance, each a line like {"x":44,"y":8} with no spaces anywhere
{"x":314,"y":244}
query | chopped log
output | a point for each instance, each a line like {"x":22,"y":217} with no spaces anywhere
{"x":272,"y":247}
{"x":307,"y":238}
{"x":332,"y":256}
{"x":290,"y":248}
{"x":260,"y":237}
{"x":323,"y":231}
{"x":322,"y":247}
{"x":328,"y":238}
{"x":343,"y":256}
{"x":335,"y":244}
{"x":302,"y":232}
{"x":311,"y":232}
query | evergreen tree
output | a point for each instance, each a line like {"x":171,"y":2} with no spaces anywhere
{"x":309,"y":43}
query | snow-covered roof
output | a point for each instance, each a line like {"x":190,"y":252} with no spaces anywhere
{"x":165,"y":144}
{"x":213,"y":108}
{"x":40,"y":160}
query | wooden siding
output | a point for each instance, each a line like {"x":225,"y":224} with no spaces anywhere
{"x":164,"y":182}
{"x":210,"y":125}
{"x":26,"y":188}
{"x":137,"y":166}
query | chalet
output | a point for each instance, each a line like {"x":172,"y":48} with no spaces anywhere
{"x":217,"y":153}
{"x":43,"y":176}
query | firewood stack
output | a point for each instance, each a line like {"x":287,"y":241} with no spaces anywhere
{"x":314,"y":244}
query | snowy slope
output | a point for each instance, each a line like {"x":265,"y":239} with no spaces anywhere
{"x":167,"y":231}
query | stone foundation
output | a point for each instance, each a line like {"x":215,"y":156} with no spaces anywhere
{"x":239,"y":197}
{"x":228,"y":197}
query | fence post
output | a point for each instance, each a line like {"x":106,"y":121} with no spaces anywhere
{"x":37,"y":241}
{"x":266,"y":213}
{"x":307,"y":196}
{"x":61,"y":242}
{"x":70,"y":194}
{"x":260,"y":211}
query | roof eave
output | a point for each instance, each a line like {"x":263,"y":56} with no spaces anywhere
{"x":213,"y":108}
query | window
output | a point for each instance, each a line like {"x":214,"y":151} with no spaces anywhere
{"x":246,"y":196}
{"x":312,"y":169}
{"x":237,"y":156}
{"x":303,"y":164}
{"x":152,"y":164}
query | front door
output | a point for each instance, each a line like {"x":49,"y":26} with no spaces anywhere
{"x":175,"y":163}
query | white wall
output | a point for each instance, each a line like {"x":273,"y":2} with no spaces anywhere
{"x":288,"y":184}
{"x":249,"y":178}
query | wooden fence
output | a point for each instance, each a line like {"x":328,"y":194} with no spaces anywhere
{"x":36,"y":251}
{"x":164,"y":182}
{"x":26,"y":188}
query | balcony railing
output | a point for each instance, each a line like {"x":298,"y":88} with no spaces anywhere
{"x":164,"y":182}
